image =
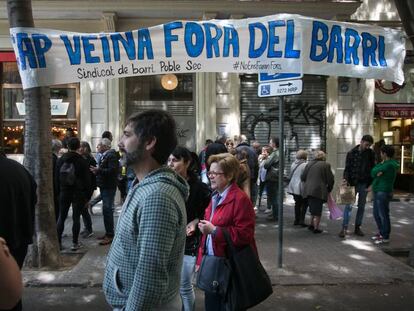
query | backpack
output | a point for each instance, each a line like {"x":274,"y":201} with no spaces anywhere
{"x":67,"y":174}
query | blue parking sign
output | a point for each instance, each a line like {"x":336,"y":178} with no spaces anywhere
{"x":267,"y":77}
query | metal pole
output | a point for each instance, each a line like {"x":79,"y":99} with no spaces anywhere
{"x":281,"y":171}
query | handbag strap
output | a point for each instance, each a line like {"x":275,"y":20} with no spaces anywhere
{"x":293,"y":172}
{"x":230,"y":246}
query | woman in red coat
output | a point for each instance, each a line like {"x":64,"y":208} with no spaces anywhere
{"x":230,"y":208}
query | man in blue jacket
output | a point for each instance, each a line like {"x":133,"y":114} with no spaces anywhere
{"x":144,"y":263}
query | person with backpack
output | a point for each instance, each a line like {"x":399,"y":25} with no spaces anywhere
{"x":74,"y":186}
{"x":86,"y":152}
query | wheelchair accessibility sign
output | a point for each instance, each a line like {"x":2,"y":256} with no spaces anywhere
{"x":280,"y":88}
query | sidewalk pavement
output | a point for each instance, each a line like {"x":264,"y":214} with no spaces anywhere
{"x":308,"y":258}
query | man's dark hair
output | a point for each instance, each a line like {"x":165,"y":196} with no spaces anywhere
{"x":275,"y":140}
{"x":107,"y":134}
{"x":221,"y":138}
{"x":208,"y":141}
{"x":73,"y":143}
{"x":157,"y":124}
{"x":368,"y":138}
{"x":388,"y":150}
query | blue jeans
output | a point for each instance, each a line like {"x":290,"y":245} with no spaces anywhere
{"x":361,"y":189}
{"x":108,"y":197}
{"x":272,"y":198}
{"x":382,"y":213}
{"x":186,"y":286}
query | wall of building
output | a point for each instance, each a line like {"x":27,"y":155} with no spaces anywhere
{"x":228,"y":103}
{"x":351,"y":102}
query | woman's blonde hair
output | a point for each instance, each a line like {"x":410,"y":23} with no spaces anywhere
{"x":320,"y":155}
{"x":228,"y":163}
{"x":301,"y":154}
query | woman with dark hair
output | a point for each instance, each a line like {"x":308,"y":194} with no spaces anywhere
{"x":182,"y":161}
{"x":86,"y":153}
{"x":243,"y":181}
{"x":230,"y":209}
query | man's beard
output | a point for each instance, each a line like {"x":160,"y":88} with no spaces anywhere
{"x":132,"y":158}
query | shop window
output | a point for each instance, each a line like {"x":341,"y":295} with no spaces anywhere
{"x":64,"y":101}
{"x":10,"y":73}
{"x":172,"y":92}
{"x":149,"y":88}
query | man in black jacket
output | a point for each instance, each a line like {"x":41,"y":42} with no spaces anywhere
{"x":106,"y":179}
{"x":359,"y":163}
{"x":17,"y":209}
{"x":217,"y":147}
{"x":72,"y":175}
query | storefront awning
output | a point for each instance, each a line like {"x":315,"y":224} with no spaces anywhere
{"x":395,"y":111}
{"x":7,"y":57}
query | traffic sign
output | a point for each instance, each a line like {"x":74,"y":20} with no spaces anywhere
{"x":280,"y":88}
{"x":266,"y":77}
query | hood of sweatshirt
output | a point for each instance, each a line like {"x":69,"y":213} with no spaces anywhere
{"x":71,"y":156}
{"x":168,"y":176}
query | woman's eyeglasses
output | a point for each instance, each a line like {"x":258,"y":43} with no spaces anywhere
{"x":213,"y":174}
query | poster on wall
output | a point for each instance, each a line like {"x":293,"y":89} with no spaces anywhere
{"x":282,"y":43}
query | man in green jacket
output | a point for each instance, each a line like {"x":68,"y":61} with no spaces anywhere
{"x":384,"y":175}
{"x":271,"y":164}
{"x":144,"y":264}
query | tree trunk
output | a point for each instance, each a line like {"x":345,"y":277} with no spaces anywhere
{"x":37,"y":154}
{"x":406,"y":11}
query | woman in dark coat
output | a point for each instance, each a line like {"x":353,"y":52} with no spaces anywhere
{"x":183,"y":162}
{"x":318,"y":183}
{"x":86,"y":152}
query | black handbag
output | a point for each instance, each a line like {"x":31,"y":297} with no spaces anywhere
{"x":214,"y":275}
{"x":250,"y":284}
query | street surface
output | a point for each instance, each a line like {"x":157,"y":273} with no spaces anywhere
{"x":386,"y":297}
{"x":320,"y":272}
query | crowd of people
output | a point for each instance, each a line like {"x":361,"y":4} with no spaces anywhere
{"x":178,"y":206}
{"x":77,"y":174}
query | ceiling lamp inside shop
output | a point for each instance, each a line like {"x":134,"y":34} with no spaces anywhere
{"x":169,"y":81}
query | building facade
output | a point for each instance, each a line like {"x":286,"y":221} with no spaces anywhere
{"x":332,"y":113}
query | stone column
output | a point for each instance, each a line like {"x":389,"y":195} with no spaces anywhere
{"x":100,"y":109}
{"x":205,"y":98}
{"x":332,"y":127}
{"x":350,"y":115}
{"x":205,"y":92}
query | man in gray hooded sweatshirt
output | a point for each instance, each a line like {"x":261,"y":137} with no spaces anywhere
{"x":144,"y":263}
